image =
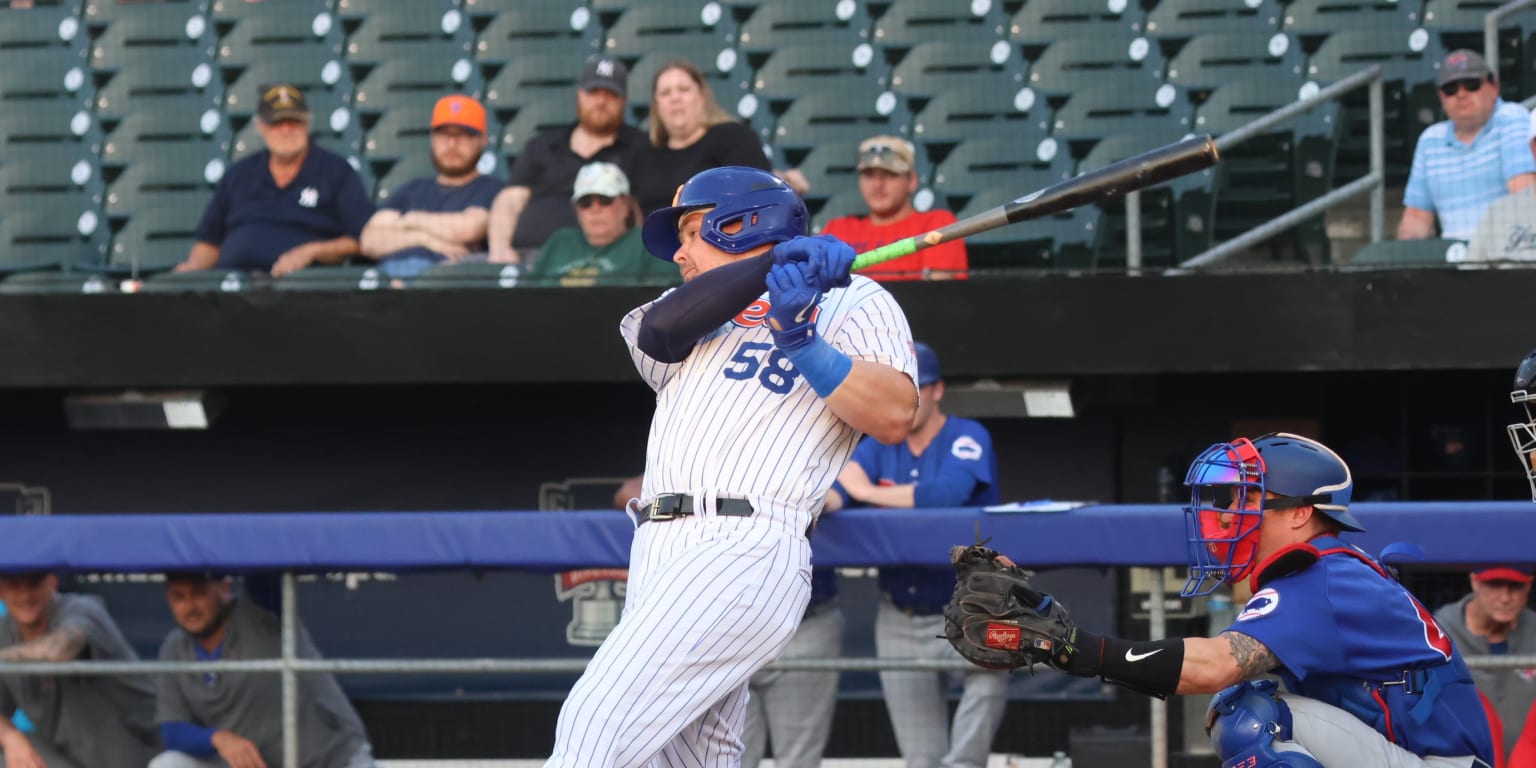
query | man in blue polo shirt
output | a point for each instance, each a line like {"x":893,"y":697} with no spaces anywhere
{"x":1463,"y":164}
{"x":285,"y":207}
{"x":442,"y":218}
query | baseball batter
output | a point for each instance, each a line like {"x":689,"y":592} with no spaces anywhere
{"x":760,"y":399}
{"x":794,"y":708}
{"x":947,"y":461}
{"x":1370,"y":678}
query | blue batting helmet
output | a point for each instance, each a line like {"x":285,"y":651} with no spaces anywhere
{"x":1223,"y":527}
{"x":767,"y":209}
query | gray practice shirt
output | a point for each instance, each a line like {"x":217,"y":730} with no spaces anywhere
{"x":1512,"y":691}
{"x":96,"y":720}
{"x":251,"y":704}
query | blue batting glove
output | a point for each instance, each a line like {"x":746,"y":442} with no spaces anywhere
{"x":829,"y":258}
{"x":792,"y":296}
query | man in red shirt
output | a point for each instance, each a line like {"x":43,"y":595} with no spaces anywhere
{"x":887,"y":181}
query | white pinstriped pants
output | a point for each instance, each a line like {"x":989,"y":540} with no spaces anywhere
{"x":710,"y":600}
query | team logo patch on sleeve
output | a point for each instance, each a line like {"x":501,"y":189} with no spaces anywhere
{"x":1263,"y":603}
{"x":966,"y":447}
{"x":1003,"y":636}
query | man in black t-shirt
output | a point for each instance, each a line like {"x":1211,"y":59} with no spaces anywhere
{"x":537,"y":200}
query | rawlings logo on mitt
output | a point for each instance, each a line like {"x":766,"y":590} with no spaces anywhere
{"x":997,"y":621}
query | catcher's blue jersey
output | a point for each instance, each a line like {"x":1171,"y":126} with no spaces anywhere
{"x":1348,"y":634}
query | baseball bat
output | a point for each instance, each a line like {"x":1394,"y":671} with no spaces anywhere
{"x":1144,"y":170}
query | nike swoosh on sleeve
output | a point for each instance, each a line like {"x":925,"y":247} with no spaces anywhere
{"x":1134,"y":657}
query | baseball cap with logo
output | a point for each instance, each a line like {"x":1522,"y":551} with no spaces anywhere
{"x":459,"y":110}
{"x":604,"y":72}
{"x":888,"y":153}
{"x":1462,"y":65}
{"x":282,"y":102}
{"x":1517,"y":573}
{"x":928,"y":370}
{"x":604,"y":179}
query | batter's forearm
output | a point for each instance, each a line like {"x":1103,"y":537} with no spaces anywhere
{"x":876,"y":399}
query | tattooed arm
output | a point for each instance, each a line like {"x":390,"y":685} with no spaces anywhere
{"x":1213,"y":663}
{"x":62,"y":644}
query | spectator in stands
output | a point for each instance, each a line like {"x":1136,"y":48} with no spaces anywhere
{"x":1463,"y":164}
{"x":689,"y":133}
{"x":946,"y":461}
{"x":537,"y":200}
{"x":887,"y":179}
{"x":1507,"y":231}
{"x":605,"y":248}
{"x":80,"y":721}
{"x":1493,"y":619}
{"x":431,"y":220}
{"x":210,"y":720}
{"x":286,"y":207}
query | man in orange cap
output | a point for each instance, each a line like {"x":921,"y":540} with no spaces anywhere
{"x":441,"y":218}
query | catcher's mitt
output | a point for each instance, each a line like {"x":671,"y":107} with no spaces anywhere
{"x":995,"y":620}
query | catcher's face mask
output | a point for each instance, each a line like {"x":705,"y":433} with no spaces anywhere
{"x":1226,"y":506}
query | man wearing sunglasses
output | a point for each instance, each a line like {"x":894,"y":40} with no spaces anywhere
{"x":1371,"y":679}
{"x":1464,"y":163}
{"x":604,"y":248}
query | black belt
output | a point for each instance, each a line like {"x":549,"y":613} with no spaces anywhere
{"x":669,"y":506}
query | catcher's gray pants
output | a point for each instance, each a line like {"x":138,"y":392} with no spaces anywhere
{"x":794,"y":708}
{"x":1335,"y":737}
{"x":918,"y":701}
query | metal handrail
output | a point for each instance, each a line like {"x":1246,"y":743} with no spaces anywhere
{"x":1372,"y":180}
{"x":1491,"y":29}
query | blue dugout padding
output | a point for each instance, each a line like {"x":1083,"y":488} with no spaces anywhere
{"x":1106,"y":535}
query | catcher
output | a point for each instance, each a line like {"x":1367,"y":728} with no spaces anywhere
{"x":1370,"y":678}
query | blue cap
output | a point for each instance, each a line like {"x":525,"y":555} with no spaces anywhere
{"x":928,"y":370}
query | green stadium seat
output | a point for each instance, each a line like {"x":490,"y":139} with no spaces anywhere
{"x":164,"y":179}
{"x":844,"y":112}
{"x":530,"y":120}
{"x":1459,"y":23}
{"x":153,"y":240}
{"x":331,"y":126}
{"x":671,"y":26}
{"x":50,"y":169}
{"x":1063,"y":241}
{"x":536,"y":77}
{"x":50,"y":234}
{"x":227,"y":13}
{"x":729,"y":87}
{"x":277,"y":36}
{"x":775,"y":25}
{"x":414,"y":78}
{"x":319,"y":74}
{"x":1174,"y":22}
{"x":1276,"y":171}
{"x":406,"y":169}
{"x":449,"y":275}
{"x":519,"y":28}
{"x":45,"y":26}
{"x":328,"y":278}
{"x":1314,"y":20}
{"x":1096,"y":113}
{"x":1101,"y":62}
{"x":191,"y":126}
{"x":1171,"y":222}
{"x":57,"y":282}
{"x":103,"y":13}
{"x":796,"y":70}
{"x":152,"y":25}
{"x":1399,"y":253}
{"x":47,"y":122}
{"x":846,"y":203}
{"x":404,"y":130}
{"x":932,"y":68}
{"x":1211,"y":60}
{"x":980,"y":113}
{"x":147,"y":78}
{"x":1042,"y":22}
{"x":1408,"y":59}
{"x":907,"y":23}
{"x":831,"y":169}
{"x":392,"y":29}
{"x":205,"y":281}
{"x":36,"y":75}
{"x":988,"y":164}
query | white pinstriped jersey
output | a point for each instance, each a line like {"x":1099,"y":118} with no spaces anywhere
{"x":736,"y":418}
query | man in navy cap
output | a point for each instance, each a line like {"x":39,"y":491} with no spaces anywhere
{"x":946,"y":461}
{"x":283,"y":208}
{"x":1493,"y":619}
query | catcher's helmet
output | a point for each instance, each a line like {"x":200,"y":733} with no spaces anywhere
{"x":768,"y":210}
{"x":1522,"y":435}
{"x":1223,"y":528}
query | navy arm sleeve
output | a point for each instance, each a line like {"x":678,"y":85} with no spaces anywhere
{"x":678,"y":320}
